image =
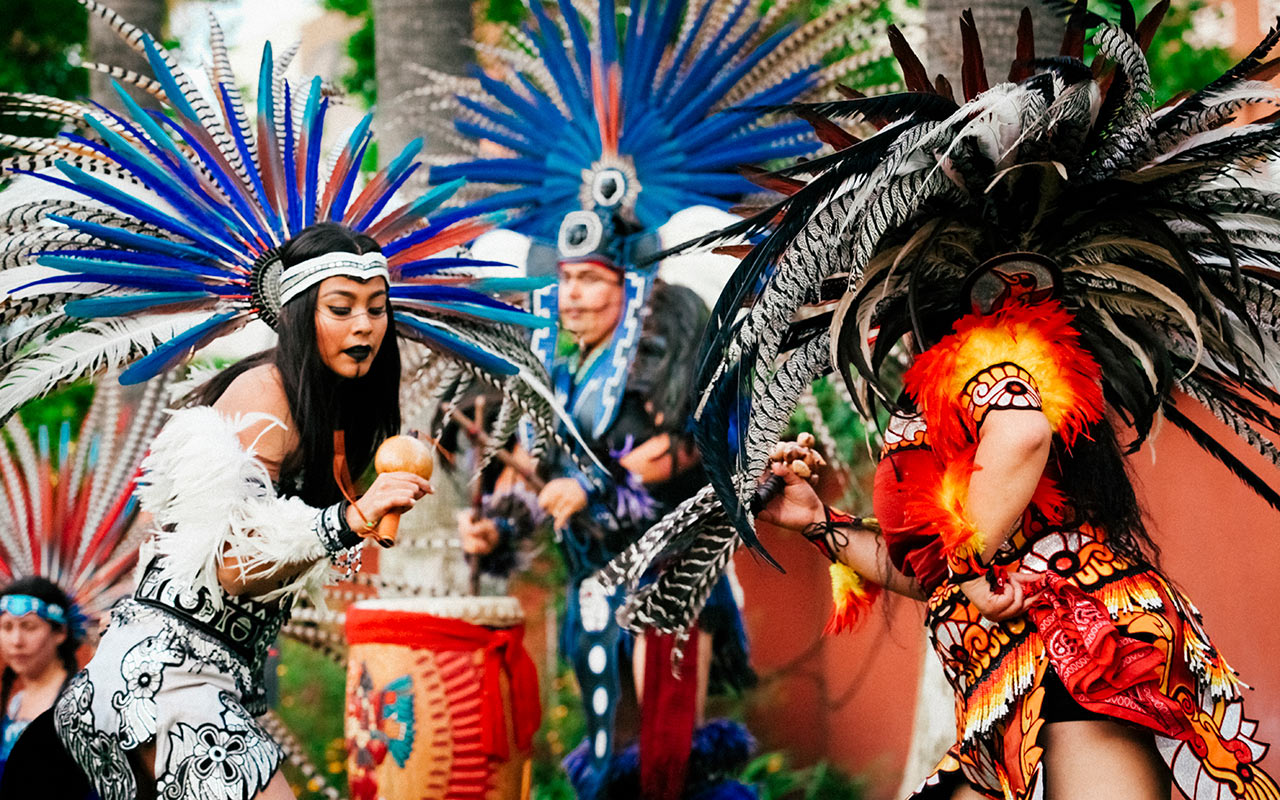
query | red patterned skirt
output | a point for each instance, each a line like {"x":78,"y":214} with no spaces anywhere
{"x":1123,"y":642}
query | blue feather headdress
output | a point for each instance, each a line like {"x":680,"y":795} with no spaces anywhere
{"x":609,"y":120}
{"x":624,"y":123}
{"x":167,"y":226}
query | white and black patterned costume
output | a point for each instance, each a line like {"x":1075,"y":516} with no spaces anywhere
{"x":181,"y":666}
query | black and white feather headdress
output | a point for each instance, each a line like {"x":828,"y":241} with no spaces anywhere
{"x":1162,"y":222}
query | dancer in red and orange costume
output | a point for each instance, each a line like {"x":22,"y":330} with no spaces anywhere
{"x":1052,"y":256}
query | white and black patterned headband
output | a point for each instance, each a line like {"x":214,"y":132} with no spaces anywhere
{"x":297,"y":279}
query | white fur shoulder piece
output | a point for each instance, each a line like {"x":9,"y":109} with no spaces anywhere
{"x":212,"y":499}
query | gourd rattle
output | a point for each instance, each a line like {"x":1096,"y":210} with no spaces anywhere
{"x":400,"y":454}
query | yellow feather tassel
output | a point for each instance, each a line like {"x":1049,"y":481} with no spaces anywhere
{"x":852,"y":596}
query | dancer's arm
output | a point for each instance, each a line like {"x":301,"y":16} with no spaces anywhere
{"x":260,"y":391}
{"x":864,"y":551}
{"x":652,"y":461}
{"x":1013,"y":449}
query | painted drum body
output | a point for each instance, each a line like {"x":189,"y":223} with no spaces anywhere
{"x":442,"y":699}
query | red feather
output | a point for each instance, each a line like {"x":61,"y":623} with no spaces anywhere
{"x":943,"y":87}
{"x":828,"y":132}
{"x":1026,"y":51}
{"x":973,"y":70}
{"x":450,"y":237}
{"x":1073,"y":39}
{"x":913,"y":71}
{"x":768,"y":180}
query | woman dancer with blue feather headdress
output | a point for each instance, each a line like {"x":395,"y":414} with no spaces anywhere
{"x":167,"y":231}
{"x":607,"y":130}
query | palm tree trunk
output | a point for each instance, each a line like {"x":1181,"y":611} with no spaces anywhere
{"x":415,"y":33}
{"x":997,"y":23}
{"x":106,"y":47}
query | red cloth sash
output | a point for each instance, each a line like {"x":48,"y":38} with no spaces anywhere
{"x":667,"y":716}
{"x":1102,"y":669}
{"x":502,"y":650}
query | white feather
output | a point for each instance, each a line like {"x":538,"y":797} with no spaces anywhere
{"x":13,"y":490}
{"x":96,"y":346}
{"x":213,"y":500}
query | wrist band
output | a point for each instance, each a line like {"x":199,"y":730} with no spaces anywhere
{"x":331,"y":528}
{"x":826,"y":535}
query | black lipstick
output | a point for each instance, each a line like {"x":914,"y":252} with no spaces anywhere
{"x":359,"y":353}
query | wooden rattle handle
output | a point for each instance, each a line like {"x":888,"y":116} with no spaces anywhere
{"x":386,"y":530}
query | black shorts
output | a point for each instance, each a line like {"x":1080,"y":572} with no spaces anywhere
{"x":1060,"y":706}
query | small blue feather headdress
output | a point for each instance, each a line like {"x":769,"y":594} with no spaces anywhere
{"x":165,"y":226}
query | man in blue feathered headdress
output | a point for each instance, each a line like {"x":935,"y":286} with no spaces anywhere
{"x":605,"y":133}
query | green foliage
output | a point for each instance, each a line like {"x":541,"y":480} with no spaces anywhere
{"x":1176,"y":64}
{"x":70,"y":404}
{"x":361,"y":79}
{"x":776,"y":780}
{"x":312,"y":703}
{"x":36,"y":41}
{"x":563,"y":726}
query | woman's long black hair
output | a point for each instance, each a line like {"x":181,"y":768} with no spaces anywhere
{"x":46,"y":590}
{"x":321,"y":402}
{"x":666,"y":355}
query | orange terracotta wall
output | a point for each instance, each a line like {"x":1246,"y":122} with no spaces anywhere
{"x":850,"y":699}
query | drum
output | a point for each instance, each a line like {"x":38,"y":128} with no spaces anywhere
{"x":442,"y":699}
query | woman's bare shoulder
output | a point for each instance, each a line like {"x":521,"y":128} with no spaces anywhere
{"x":260,"y":390}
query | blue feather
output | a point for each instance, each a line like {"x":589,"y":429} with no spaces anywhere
{"x":114,"y":256}
{"x":608,"y":33}
{"x":175,"y":192}
{"x":265,"y":215}
{"x":433,"y":199}
{"x":581,"y":44}
{"x":162,"y":148}
{"x":86,"y":184}
{"x":293,"y":201}
{"x":137,"y":241}
{"x":501,"y":316}
{"x":313,"y":123}
{"x":171,"y":89}
{"x":513,"y":285}
{"x":435,"y":294}
{"x":267,"y":121}
{"x":372,"y":214}
{"x":128,"y":304}
{"x":359,"y":140}
{"x":130,"y":279}
{"x":401,"y":168}
{"x":174,"y":350}
{"x":430,"y":266}
{"x":230,"y":184}
{"x":184,"y":271}
{"x":669,"y":80}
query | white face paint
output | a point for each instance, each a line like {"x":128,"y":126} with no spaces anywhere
{"x":602,"y":744}
{"x":593,"y":604}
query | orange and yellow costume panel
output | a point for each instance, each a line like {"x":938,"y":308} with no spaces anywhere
{"x":1105,"y":630}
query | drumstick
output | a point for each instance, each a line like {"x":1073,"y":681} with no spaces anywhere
{"x":477,"y":504}
{"x":477,"y":434}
